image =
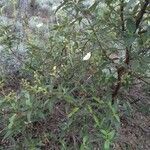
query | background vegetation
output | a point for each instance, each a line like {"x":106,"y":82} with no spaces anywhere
{"x":73,"y":74}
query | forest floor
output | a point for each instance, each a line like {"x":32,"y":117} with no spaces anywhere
{"x":134,"y":133}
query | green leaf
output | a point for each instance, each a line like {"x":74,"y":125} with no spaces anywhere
{"x":84,"y":145}
{"x":90,"y":109}
{"x":117,"y":117}
{"x":98,"y":100}
{"x":129,"y":38}
{"x":130,"y":4}
{"x":69,"y":99}
{"x":111,"y":135}
{"x":79,"y":19}
{"x":85,"y":139}
{"x":93,"y":7}
{"x":104,"y":132}
{"x":73,"y":111}
{"x":131,"y":26}
{"x":28,"y":100}
{"x":29,"y":116}
{"x":135,"y":65}
{"x":11,"y":121}
{"x":8,"y":134}
{"x":107,"y":145}
{"x":96,"y":120}
{"x":136,"y":8}
{"x":2,"y":9}
{"x":108,"y":2}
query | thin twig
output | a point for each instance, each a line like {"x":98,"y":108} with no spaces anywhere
{"x":127,"y":51}
{"x":141,"y":13}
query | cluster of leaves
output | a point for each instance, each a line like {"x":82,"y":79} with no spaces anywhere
{"x":71,"y":80}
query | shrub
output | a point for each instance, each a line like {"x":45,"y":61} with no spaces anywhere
{"x":70,"y":83}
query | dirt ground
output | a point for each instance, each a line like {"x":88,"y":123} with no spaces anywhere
{"x":134,"y":133}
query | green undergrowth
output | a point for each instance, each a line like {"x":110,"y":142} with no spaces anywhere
{"x":66,"y":94}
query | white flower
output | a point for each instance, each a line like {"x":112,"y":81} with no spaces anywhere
{"x":87,"y":56}
{"x":39,"y":25}
{"x":54,"y":8}
{"x":54,"y":68}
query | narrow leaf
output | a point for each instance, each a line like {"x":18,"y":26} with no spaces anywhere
{"x":73,"y":112}
{"x":11,"y":121}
